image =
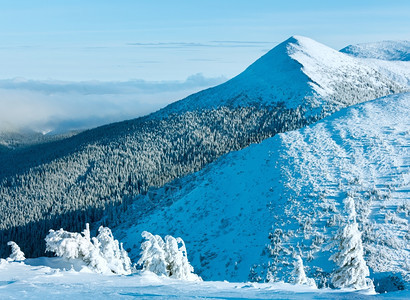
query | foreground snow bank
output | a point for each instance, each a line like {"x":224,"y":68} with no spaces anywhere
{"x":42,"y":278}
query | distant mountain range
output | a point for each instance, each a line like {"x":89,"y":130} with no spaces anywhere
{"x":99,"y":173}
{"x":386,"y":50}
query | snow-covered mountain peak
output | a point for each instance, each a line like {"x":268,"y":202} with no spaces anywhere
{"x":295,"y":47}
{"x":330,"y":70}
{"x":86,"y":176}
{"x":298,"y":73}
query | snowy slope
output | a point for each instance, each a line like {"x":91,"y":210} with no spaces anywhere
{"x":399,"y":71}
{"x":391,"y":58}
{"x":294,"y":182}
{"x":385,"y":50}
{"x":299,"y":72}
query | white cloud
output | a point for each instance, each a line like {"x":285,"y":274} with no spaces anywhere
{"x":62,"y":106}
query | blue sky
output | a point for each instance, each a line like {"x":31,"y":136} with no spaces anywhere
{"x":162,"y":44}
{"x":171,"y":40}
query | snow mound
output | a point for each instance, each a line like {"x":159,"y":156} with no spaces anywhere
{"x":253,"y":211}
{"x":385,"y":50}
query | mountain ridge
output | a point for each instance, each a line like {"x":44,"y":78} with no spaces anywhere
{"x":302,"y":60}
{"x":384,"y":50}
{"x":97,"y":173}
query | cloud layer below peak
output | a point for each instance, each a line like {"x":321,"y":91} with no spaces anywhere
{"x":61,"y":106}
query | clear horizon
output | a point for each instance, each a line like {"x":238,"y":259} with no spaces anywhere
{"x":159,"y":40}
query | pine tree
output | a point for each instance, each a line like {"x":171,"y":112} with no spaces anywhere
{"x":352,"y":271}
{"x":153,"y":254}
{"x":16,"y":253}
{"x":299,"y":275}
{"x":167,"y":257}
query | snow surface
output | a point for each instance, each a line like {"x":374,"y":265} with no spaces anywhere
{"x":295,"y":182}
{"x":399,"y":71}
{"x":52,"y":278}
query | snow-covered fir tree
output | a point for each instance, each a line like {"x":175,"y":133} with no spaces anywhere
{"x":178,"y":264}
{"x":102,"y":254}
{"x":353,"y":271}
{"x":16,"y":253}
{"x":167,"y":257}
{"x":113,"y":252}
{"x":153,"y":254}
{"x":299,"y":275}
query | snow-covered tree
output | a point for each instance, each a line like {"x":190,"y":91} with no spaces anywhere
{"x":167,"y":257}
{"x":350,"y":209}
{"x":153,"y":254}
{"x":102,"y":254}
{"x":67,"y":244}
{"x":3,"y":262}
{"x":16,"y":253}
{"x":299,"y":275}
{"x":113,"y":252}
{"x":352,"y":271}
{"x":178,"y":264}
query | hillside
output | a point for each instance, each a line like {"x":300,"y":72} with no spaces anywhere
{"x":391,"y":58}
{"x":258,"y":207}
{"x":10,"y":140}
{"x":86,"y":177}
